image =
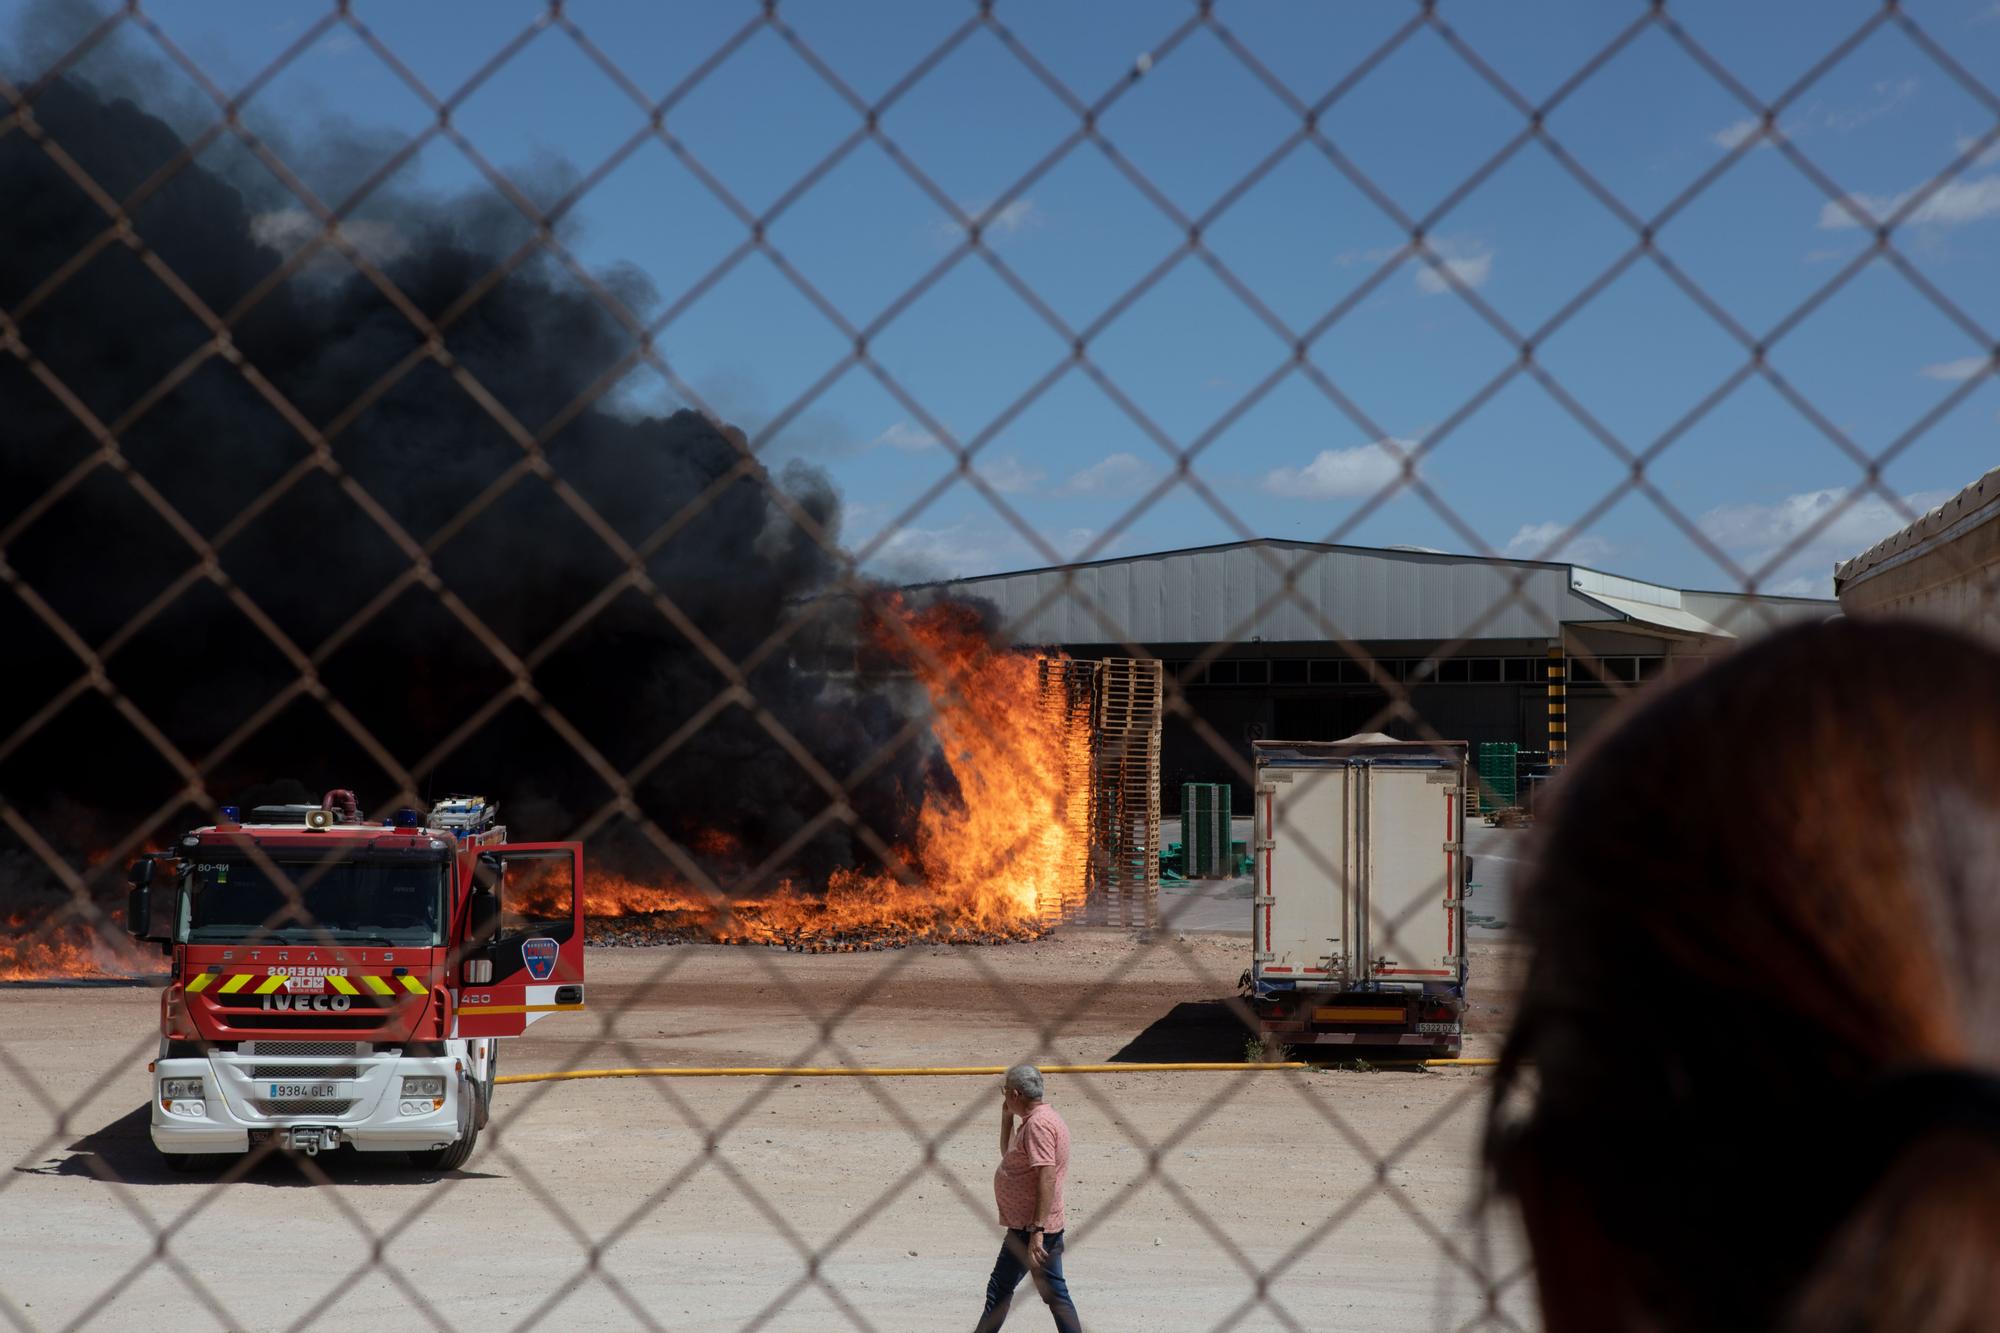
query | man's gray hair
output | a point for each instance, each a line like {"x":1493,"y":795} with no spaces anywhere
{"x":1026,"y":1080}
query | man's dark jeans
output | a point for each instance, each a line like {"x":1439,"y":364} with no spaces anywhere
{"x":1012,"y":1266}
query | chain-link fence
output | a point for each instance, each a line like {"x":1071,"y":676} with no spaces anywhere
{"x":309,"y":484}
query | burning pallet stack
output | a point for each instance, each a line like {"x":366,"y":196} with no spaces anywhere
{"x":1113,"y":788}
{"x":1069,"y":702}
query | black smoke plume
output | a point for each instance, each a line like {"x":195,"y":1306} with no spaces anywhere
{"x":105,"y":335}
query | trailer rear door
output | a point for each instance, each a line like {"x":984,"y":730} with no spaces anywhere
{"x":1305,"y":872}
{"x":1413,"y":819}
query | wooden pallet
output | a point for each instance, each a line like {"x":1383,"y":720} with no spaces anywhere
{"x":1111,"y":789}
{"x":1125,"y":888}
{"x":1068,"y":700}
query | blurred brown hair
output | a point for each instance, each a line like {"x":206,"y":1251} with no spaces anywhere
{"x":1757,"y":901}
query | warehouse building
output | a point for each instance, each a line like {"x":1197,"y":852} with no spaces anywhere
{"x":1274,"y":639}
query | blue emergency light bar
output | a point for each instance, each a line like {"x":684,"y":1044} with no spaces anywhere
{"x":408,"y":818}
{"x":232,"y":814}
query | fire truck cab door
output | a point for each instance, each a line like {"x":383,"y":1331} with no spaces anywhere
{"x":537,"y":951}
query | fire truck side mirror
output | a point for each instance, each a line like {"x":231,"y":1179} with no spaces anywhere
{"x":485,"y":922}
{"x":139,"y":904}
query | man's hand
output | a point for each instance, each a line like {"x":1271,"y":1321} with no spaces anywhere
{"x":1038,"y":1253}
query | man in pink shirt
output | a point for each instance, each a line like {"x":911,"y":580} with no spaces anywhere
{"x":1028,"y":1189}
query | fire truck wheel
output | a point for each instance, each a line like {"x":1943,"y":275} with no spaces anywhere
{"x":457,"y":1154}
{"x":447,"y":1159}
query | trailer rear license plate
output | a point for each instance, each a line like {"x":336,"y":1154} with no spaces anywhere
{"x":297,"y":1091}
{"x":1357,"y":1014}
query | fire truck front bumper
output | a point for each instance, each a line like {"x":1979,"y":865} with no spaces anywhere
{"x":229,"y":1103}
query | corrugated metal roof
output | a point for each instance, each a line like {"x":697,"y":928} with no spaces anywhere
{"x":1289,"y":591}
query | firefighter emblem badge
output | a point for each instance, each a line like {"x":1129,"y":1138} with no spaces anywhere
{"x":540,"y":956}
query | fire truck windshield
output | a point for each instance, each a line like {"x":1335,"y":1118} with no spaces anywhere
{"x":349,"y":902}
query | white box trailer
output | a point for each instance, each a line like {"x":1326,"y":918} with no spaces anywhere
{"x":1358,"y":933}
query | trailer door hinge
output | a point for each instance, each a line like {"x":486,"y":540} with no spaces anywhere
{"x":1453,"y":846}
{"x":1266,"y":844}
{"x":1264,"y":957}
{"x":1263,"y":900}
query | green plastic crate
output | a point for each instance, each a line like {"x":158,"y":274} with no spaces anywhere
{"x":1497,"y":764}
{"x":1205,"y":825}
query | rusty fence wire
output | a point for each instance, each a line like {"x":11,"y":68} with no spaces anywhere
{"x":1486,"y":1273}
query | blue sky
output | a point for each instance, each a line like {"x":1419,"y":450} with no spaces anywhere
{"x":1183,"y":355}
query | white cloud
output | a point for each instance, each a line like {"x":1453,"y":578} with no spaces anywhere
{"x":1377,"y":255}
{"x":1006,"y":473}
{"x":906,"y":435}
{"x":1988,"y":156}
{"x":1737,"y":132}
{"x":1537,"y":541}
{"x":1962,"y":369}
{"x":1120,"y":474}
{"x":1336,"y":474}
{"x":1754,"y":533}
{"x":1889,"y":95}
{"x":917,"y":555}
{"x":1010,"y":219}
{"x":1951,"y":204}
{"x":1469,"y":261}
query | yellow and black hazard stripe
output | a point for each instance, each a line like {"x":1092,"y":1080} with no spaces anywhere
{"x":340,"y":985}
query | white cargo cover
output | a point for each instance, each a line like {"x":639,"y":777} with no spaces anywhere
{"x":1359,"y":867}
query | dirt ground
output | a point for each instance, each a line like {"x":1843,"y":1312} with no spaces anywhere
{"x":787,"y":1203}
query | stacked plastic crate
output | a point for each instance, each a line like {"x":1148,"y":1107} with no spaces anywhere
{"x":1497,"y":790}
{"x":1205,"y":825}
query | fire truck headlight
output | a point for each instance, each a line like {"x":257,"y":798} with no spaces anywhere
{"x":180,"y":1089}
{"x":424,"y":1085}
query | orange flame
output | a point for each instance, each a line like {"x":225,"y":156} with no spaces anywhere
{"x":996,"y":861}
{"x":28,"y":952}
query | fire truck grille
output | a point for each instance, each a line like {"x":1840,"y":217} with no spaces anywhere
{"x":279,"y":1020}
{"x":262,"y":1072}
{"x":326,"y":1048}
{"x":304,"y":1107}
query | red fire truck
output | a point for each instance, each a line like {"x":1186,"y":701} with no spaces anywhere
{"x":340,"y":982}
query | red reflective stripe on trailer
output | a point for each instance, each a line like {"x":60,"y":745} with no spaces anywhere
{"x":1270,"y":889}
{"x":1414,"y":971}
{"x":1277,"y":969}
{"x":1449,"y":866}
{"x":1312,"y":969}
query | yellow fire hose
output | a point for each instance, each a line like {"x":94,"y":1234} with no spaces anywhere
{"x":942,"y":1071}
